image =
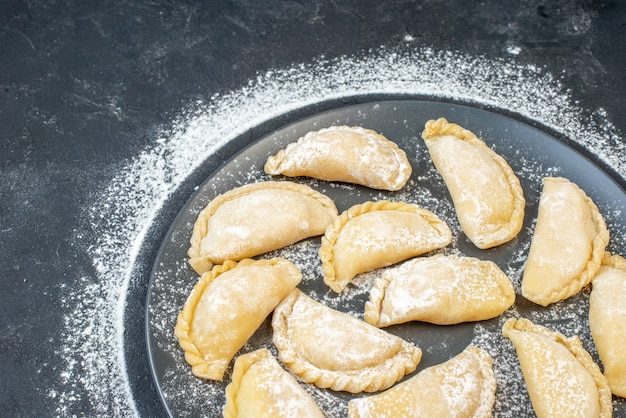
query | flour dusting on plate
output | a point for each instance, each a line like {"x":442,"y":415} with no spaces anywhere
{"x":91,"y":359}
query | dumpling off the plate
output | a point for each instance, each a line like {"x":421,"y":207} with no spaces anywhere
{"x":261,"y":388}
{"x":335,"y":350}
{"x":607,"y":320}
{"x":257,"y":218}
{"x":568,"y":244}
{"x":377,"y":234}
{"x":561,"y":377}
{"x":462,"y":387}
{"x":226,"y":307}
{"x":442,"y":290}
{"x":342,"y":153}
{"x":487,"y":195}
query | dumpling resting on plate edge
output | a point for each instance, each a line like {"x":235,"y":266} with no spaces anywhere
{"x":568,"y":243}
{"x":607,"y":320}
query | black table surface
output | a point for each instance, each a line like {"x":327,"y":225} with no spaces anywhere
{"x":87,"y":85}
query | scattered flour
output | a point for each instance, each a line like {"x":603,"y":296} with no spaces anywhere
{"x":92,"y":353}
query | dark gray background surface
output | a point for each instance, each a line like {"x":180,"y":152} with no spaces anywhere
{"x":84,"y":87}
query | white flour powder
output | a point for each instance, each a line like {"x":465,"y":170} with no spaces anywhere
{"x":92,"y":354}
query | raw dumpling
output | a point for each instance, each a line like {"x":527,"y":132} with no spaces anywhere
{"x":607,"y":320}
{"x":332,"y":349}
{"x":561,"y":377}
{"x":441,"y":289}
{"x":342,"y":153}
{"x":487,"y":196}
{"x":257,"y":218}
{"x":378,"y":234}
{"x":261,"y":388}
{"x":464,"y":386}
{"x":226,"y":307}
{"x":568,"y":244}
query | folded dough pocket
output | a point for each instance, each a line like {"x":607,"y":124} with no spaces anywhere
{"x":561,"y":377}
{"x":607,"y":319}
{"x":257,"y":218}
{"x":442,"y":290}
{"x":462,"y":387}
{"x":568,"y":243}
{"x":226,"y":307}
{"x":335,"y":350}
{"x":342,"y":153}
{"x":377,"y":234}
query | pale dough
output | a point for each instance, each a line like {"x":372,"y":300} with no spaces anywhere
{"x":561,"y":377}
{"x":377,"y":234}
{"x":226,"y":307}
{"x":261,"y":388}
{"x":257,"y":218}
{"x":347,"y":154}
{"x":462,"y":387}
{"x":567,"y":246}
{"x":487,"y":195}
{"x":607,"y":320}
{"x":332,"y":349}
{"x":441,"y":289}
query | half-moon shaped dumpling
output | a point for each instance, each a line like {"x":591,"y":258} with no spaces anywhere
{"x":255,"y":219}
{"x":568,"y":244}
{"x":261,"y":388}
{"x":561,"y":377}
{"x":377,"y":234}
{"x":348,"y":154}
{"x":487,"y":195}
{"x":607,"y":320}
{"x":226,"y":307}
{"x":332,"y":349}
{"x":462,"y":387}
{"x":442,"y":290}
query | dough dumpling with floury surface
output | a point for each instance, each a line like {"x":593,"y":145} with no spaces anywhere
{"x":257,"y":218}
{"x":567,"y":246}
{"x":378,"y":234}
{"x":261,"y":388}
{"x":561,"y":376}
{"x":335,"y":350}
{"x":441,"y":289}
{"x":487,"y":195}
{"x":462,"y":387}
{"x":347,"y":154}
{"x":226,"y":307}
{"x":607,"y":320}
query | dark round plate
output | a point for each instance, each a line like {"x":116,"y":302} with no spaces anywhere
{"x":532,"y":154}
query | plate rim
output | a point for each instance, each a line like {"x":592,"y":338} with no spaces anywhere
{"x":293,"y":117}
